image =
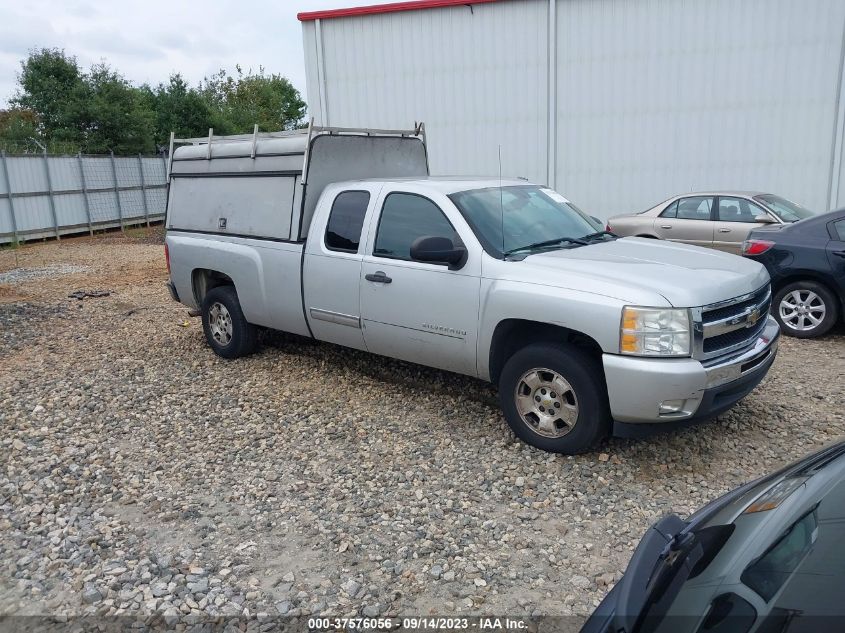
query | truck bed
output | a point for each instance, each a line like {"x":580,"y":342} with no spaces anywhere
{"x":266,"y":273}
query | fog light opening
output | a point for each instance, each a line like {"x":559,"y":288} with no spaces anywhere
{"x":669,"y":407}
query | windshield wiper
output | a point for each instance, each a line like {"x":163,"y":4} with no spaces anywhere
{"x":554,"y":242}
{"x":598,"y":234}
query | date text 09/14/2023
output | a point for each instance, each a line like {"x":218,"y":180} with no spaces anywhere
{"x":417,"y":624}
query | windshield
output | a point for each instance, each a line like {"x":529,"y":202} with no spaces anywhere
{"x":786,"y":210}
{"x":507,"y":219}
{"x":785,"y":560}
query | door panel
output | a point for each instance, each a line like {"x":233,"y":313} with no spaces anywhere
{"x":728,"y":236}
{"x":332,"y":304}
{"x":734,"y":221}
{"x":697,"y":232}
{"x":426,"y":314}
{"x":688,"y":220}
{"x":418,"y":311}
{"x":332,"y":272}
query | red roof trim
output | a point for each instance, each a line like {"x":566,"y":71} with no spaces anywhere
{"x":393,"y":7}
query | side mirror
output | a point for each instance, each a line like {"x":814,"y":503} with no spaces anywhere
{"x":438,"y":250}
{"x":763,"y":219}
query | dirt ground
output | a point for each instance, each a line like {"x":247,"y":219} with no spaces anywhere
{"x":140,"y":474}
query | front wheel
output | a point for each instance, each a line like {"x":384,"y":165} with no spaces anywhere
{"x":805,"y":309}
{"x":226,"y":329}
{"x":554,"y":397}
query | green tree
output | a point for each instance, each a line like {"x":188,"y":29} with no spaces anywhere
{"x":101,"y":111}
{"x":52,"y":86}
{"x":17,"y":125}
{"x":181,"y":109}
{"x":269,"y":100}
{"x":119,"y":117}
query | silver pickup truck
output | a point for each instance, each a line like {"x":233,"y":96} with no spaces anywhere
{"x":341,"y":235}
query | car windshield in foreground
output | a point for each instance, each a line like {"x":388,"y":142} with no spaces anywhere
{"x":778,"y":561}
{"x":524,"y":218}
{"x":785,"y":209}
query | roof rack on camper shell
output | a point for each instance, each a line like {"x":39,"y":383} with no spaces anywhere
{"x":306,"y":134}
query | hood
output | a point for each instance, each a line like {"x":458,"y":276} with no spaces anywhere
{"x":633,"y":267}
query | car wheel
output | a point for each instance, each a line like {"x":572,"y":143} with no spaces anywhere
{"x":554,"y":397}
{"x":226,"y":329}
{"x":805,"y":309}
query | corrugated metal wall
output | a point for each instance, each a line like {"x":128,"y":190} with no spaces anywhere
{"x":477,"y":77}
{"x":45,"y":196}
{"x":651,"y":97}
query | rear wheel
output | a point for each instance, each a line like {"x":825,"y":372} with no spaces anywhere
{"x":226,"y":329}
{"x":554,"y":398}
{"x":805,"y":309}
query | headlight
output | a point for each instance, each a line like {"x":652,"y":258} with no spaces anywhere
{"x":655,"y":332}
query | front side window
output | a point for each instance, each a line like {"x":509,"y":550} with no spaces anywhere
{"x":343,"y":232}
{"x":738,"y":210}
{"x":695,"y":208}
{"x":406,"y":217}
{"x":509,"y":218}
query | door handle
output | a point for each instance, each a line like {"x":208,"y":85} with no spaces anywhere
{"x":839,"y":253}
{"x":379,"y":277}
{"x":665,"y":226}
{"x":724,"y":230}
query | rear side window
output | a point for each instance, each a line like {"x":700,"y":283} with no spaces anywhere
{"x":346,"y":218}
{"x":406,"y":217}
{"x":671,"y":211}
{"x":695,"y":208}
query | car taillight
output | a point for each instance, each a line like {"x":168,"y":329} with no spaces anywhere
{"x":608,"y":228}
{"x":756,"y":247}
{"x":167,"y":258}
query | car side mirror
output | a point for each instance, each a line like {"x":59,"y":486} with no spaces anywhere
{"x":763,"y":219}
{"x":438,"y":250}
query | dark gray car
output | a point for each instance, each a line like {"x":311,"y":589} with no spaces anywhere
{"x":766,"y":557}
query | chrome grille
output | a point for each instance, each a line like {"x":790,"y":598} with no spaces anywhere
{"x":731,"y":325}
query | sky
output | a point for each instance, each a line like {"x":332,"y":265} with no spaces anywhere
{"x":148,"y":40}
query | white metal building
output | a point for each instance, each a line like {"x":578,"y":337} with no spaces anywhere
{"x":616,"y":103}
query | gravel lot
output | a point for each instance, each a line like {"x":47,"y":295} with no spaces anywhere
{"x":143,"y":475}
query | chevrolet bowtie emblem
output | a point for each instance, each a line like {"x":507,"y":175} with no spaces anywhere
{"x":752,"y":318}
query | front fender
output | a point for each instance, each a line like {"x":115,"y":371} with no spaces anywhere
{"x":596,"y":316}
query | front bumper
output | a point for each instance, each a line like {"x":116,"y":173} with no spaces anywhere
{"x":637,"y":386}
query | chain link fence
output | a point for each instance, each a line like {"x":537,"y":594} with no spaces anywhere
{"x":43,"y":195}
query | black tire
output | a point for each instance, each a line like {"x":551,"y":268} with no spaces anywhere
{"x":584,"y":374}
{"x":244,"y":335}
{"x":825,"y":297}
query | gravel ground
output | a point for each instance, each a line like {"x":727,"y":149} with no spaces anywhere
{"x":143,"y":475}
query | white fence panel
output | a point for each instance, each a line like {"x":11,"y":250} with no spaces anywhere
{"x":50,"y":196}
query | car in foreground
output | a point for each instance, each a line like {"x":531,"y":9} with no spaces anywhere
{"x":584,"y":334}
{"x":766,"y":557}
{"x":717,"y":219}
{"x":806,"y":262}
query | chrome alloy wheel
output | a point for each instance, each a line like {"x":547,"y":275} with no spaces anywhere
{"x":546,"y":402}
{"x":220,"y":323}
{"x":802,"y":310}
